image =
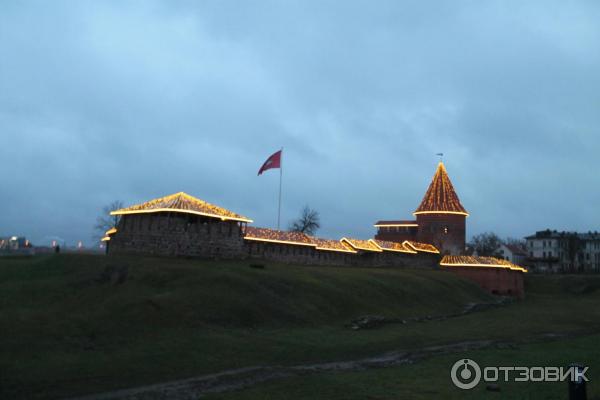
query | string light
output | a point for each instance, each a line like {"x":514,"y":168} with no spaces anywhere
{"x":183,"y":203}
{"x":275,"y":236}
{"x":441,"y":198}
{"x":393,"y":225}
{"x":422,"y":247}
{"x":295,"y":238}
{"x":392,"y":246}
{"x":365,"y":245}
{"x":474,"y":261}
{"x":332,"y":245}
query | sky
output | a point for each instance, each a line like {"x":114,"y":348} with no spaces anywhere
{"x":133,"y":100}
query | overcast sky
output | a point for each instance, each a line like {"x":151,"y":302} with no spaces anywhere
{"x":106,"y":100}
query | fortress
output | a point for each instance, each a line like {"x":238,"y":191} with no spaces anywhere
{"x":180,"y":225}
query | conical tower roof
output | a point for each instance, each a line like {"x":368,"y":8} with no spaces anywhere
{"x":441,"y":197}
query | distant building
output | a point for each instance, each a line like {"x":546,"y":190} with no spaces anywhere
{"x":13,"y":243}
{"x":554,"y":251}
{"x":440,"y":219}
{"x":513,"y":253}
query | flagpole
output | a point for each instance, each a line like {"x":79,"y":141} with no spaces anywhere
{"x":280,"y":180}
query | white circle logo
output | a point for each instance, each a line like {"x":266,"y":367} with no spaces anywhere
{"x":465,"y":374}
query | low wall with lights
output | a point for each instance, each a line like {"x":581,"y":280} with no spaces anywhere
{"x":494,"y":275}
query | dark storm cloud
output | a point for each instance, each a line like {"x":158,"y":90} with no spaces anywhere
{"x":112,"y":100}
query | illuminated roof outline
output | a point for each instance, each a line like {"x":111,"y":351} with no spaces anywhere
{"x":275,"y":236}
{"x":421,"y":247}
{"x":441,"y":198}
{"x":395,"y":223}
{"x":108,"y":233}
{"x":481,"y":262}
{"x":333,"y":245}
{"x":365,"y":245}
{"x":392,"y":246}
{"x":183,"y":203}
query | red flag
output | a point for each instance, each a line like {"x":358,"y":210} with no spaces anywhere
{"x":272,"y":162}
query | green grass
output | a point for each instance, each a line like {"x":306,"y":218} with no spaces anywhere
{"x":64,"y":333}
{"x":430,"y":379}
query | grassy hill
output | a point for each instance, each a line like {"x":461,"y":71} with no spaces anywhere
{"x":76,"y":324}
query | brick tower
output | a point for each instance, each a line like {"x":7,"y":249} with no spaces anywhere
{"x":441,"y":218}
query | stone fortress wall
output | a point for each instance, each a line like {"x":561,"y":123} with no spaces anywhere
{"x":174,"y":234}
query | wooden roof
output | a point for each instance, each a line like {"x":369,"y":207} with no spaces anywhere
{"x":296,"y":238}
{"x":333,"y":245}
{"x":183,"y":203}
{"x":365,"y":245}
{"x":483,"y":262}
{"x":275,"y":236}
{"x":392,"y":246}
{"x":421,"y":247}
{"x":441,"y":196}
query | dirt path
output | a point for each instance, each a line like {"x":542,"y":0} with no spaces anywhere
{"x":193,"y":388}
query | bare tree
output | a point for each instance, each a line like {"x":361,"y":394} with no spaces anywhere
{"x":308,"y":222}
{"x":486,"y":244}
{"x":520,"y":243}
{"x":105,"y":221}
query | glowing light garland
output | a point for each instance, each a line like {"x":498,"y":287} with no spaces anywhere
{"x":295,"y":238}
{"x":441,"y":198}
{"x":392,"y":225}
{"x":183,"y":203}
{"x":392,"y":246}
{"x":479,"y":262}
{"x":275,"y":236}
{"x":110,"y":231}
{"x":365,"y":245}
{"x":421,"y":247}
{"x":344,"y":245}
{"x":333,"y":245}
